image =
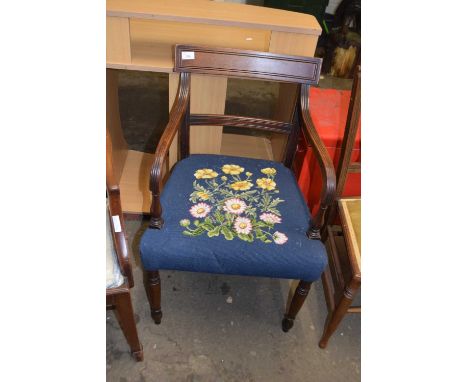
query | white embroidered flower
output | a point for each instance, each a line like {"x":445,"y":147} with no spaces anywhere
{"x":184,"y":222}
{"x":235,"y":206}
{"x":270,"y":218}
{"x":243,"y":225}
{"x":280,"y":238}
{"x":200,"y":210}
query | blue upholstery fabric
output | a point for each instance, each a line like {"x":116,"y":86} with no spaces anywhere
{"x":257,"y":253}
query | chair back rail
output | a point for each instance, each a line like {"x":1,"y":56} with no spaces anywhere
{"x":247,"y":63}
{"x":236,"y":121}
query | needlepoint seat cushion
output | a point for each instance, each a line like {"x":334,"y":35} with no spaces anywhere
{"x":232,"y":215}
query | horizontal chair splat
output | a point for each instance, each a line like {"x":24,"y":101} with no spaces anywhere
{"x":237,"y":121}
{"x":247,"y":63}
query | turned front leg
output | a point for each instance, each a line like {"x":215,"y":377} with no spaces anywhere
{"x":298,"y":299}
{"x":154,"y":295}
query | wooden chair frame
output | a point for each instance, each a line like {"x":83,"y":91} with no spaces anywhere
{"x":303,"y":71}
{"x":339,"y":293}
{"x":119,"y":298}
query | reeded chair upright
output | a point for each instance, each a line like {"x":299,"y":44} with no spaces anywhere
{"x":232,"y":215}
{"x":119,"y":269}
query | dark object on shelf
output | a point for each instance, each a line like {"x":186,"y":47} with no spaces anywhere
{"x":311,"y":7}
{"x":342,"y":277}
{"x":200,"y":187}
{"x":343,"y":43}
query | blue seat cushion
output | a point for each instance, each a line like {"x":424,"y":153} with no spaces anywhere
{"x":232,"y":215}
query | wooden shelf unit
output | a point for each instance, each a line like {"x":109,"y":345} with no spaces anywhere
{"x":141,"y":35}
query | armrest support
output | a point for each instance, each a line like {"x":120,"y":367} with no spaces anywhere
{"x":115,"y":208}
{"x":327,"y":170}
{"x":176,"y":117}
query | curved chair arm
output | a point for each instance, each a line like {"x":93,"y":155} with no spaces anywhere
{"x":326,"y":166}
{"x":115,"y":208}
{"x":176,"y":117}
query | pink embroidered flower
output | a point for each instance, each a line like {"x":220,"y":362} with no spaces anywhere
{"x":200,"y":210}
{"x":234,"y":206}
{"x":280,"y":238}
{"x":270,"y":218}
{"x":243,"y":225}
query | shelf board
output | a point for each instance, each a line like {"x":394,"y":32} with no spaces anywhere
{"x":246,"y":146}
{"x":216,"y":13}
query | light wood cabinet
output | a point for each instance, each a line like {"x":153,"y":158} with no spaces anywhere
{"x":141,"y":35}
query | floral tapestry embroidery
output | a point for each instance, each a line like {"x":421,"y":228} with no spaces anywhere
{"x":235,"y":205}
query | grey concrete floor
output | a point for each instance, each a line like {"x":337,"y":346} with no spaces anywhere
{"x":202,"y":337}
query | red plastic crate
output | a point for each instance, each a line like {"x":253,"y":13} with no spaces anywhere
{"x":329,"y":109}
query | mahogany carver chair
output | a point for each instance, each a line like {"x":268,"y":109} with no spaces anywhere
{"x":119,"y":278}
{"x":234,"y":215}
{"x":342,"y":277}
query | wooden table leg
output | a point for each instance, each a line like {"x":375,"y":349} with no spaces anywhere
{"x":334,"y":317}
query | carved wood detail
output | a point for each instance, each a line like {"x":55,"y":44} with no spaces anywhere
{"x":237,"y":121}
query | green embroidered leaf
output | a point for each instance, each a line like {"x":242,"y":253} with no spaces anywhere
{"x":229,"y":218}
{"x":246,"y":237}
{"x":251,"y":211}
{"x":214,"y":232}
{"x":219,"y":217}
{"x":260,"y":234}
{"x":196,"y":222}
{"x":275,"y":202}
{"x":227,"y":233}
{"x":262,"y":224}
{"x":206,"y":226}
{"x":208,"y":223}
{"x":195,"y":232}
{"x":274,"y":210}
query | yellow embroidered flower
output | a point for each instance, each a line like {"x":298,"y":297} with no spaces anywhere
{"x":242,"y":185}
{"x":203,"y":195}
{"x":248,"y":173}
{"x":232,"y":169}
{"x":266,"y":183}
{"x":205,"y":173}
{"x":269,"y":171}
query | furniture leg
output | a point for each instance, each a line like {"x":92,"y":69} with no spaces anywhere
{"x":126,"y":318}
{"x":334,"y":317}
{"x":297,"y":301}
{"x":154,"y":295}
